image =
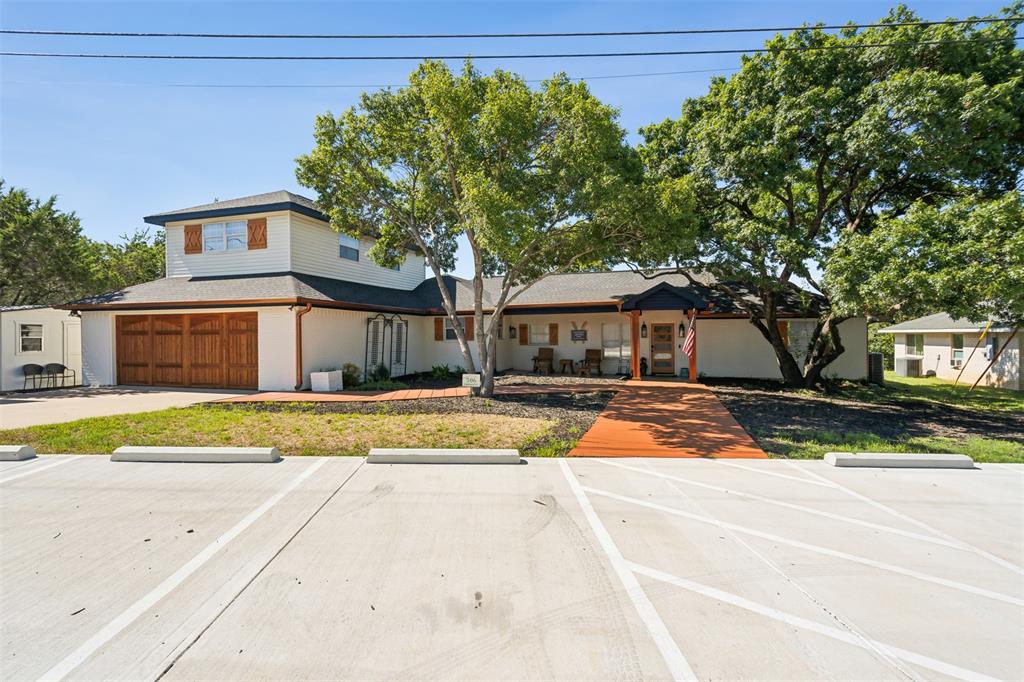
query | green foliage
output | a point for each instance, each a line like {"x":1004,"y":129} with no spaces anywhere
{"x":45,"y":259}
{"x":380,"y":385}
{"x":794,"y":162}
{"x":440,"y":372}
{"x":536,"y":180}
{"x":351,"y":375}
{"x":378,"y":374}
{"x":882,"y":343}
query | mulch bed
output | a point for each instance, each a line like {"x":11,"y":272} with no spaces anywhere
{"x":573,"y":413}
{"x":767,"y":413}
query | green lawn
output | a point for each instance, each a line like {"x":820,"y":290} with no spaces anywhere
{"x":292,"y":432}
{"x":938,"y":391}
{"x":814,"y":445}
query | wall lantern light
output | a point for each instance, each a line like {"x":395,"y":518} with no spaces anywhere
{"x":511,"y":331}
{"x":682,"y":329}
{"x":643,"y":331}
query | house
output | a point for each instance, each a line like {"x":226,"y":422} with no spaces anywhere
{"x":944,"y":346}
{"x":37,"y":335}
{"x":260,"y":291}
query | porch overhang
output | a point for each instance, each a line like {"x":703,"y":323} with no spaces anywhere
{"x":665,"y":296}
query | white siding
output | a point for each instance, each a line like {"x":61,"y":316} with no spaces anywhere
{"x":275,"y":258}
{"x":98,"y":368}
{"x":277,"y":348}
{"x":331,"y":338}
{"x":1006,"y":373}
{"x":314,"y":251}
{"x":57,"y":325}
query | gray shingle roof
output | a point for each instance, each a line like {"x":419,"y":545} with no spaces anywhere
{"x":941,"y":322}
{"x":281,"y":200}
{"x":591,"y":288}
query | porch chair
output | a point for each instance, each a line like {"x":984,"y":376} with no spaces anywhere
{"x":33,"y":372}
{"x":544,"y":361}
{"x":591,"y":362}
{"x":55,"y":370}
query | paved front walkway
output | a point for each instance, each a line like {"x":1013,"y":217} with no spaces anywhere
{"x":666,"y":419}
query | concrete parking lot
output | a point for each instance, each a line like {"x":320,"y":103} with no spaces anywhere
{"x":330,"y":568}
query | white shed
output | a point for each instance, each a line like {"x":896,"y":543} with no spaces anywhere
{"x":38,"y":335}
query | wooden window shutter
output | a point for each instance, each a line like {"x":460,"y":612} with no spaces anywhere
{"x":524,"y":335}
{"x":467,"y":323}
{"x":193,"y":239}
{"x":553,"y":334}
{"x":784,"y":332}
{"x":257,"y":233}
{"x":438,"y":329}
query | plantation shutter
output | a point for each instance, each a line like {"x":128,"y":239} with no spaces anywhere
{"x":524,"y":335}
{"x":398,"y":341}
{"x":257,"y":233}
{"x":468,"y":324}
{"x":376,"y":344}
{"x":438,"y":329}
{"x":553,"y":334}
{"x":193,"y":239}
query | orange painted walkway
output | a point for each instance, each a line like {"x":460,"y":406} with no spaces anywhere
{"x":666,"y":419}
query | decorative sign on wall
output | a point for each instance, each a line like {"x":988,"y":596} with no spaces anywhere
{"x":578,"y":334}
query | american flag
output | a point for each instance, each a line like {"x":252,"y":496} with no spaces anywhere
{"x":690,"y":343}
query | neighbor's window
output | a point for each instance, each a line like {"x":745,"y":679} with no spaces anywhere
{"x":957,"y":343}
{"x":539,"y":335}
{"x":229,"y":236}
{"x":915,"y":344}
{"x":348,"y":247}
{"x":30,"y":338}
{"x":449,"y":330}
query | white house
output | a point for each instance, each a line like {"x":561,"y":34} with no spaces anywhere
{"x":261,"y":291}
{"x":946,"y":346}
{"x":37,"y":335}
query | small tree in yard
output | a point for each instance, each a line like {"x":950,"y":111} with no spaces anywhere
{"x":537,"y":181}
{"x":808,"y":165}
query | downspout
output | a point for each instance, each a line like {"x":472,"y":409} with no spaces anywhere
{"x":298,"y":344}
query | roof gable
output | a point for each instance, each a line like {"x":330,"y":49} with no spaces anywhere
{"x":281,"y":200}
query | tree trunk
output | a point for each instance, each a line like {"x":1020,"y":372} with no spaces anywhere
{"x":487,"y":378}
{"x":769,"y":328}
{"x":827,"y":346}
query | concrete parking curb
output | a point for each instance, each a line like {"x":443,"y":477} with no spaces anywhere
{"x":16,"y":453}
{"x":442,"y":456}
{"x":897,"y":460}
{"x":212,"y":455}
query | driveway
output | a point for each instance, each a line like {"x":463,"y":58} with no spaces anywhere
{"x":52,"y":407}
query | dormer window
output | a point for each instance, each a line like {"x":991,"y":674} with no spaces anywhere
{"x":348,"y":247}
{"x":229,"y":236}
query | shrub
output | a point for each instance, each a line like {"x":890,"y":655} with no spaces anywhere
{"x":439,"y":372}
{"x":378,"y":374}
{"x":351,"y":375}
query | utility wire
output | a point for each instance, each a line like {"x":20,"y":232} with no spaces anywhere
{"x":348,"y":85}
{"x":561,"y":34}
{"x":480,"y":57}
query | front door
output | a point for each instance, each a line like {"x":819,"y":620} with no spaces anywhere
{"x":663,"y":354}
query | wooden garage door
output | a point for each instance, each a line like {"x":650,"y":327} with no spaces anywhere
{"x":216,"y":350}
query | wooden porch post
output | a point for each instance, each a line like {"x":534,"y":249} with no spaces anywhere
{"x":693,"y":358}
{"x":634,"y":343}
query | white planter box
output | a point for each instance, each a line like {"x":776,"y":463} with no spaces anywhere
{"x":325,"y":381}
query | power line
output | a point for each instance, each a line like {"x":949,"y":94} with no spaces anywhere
{"x":348,"y":85}
{"x":561,"y":34}
{"x":480,"y":57}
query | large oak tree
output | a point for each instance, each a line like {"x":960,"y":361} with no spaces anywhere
{"x":825,"y":140}
{"x":537,"y":181}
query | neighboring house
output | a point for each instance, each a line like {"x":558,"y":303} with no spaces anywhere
{"x":944,"y":346}
{"x":37,"y":335}
{"x":261,"y":291}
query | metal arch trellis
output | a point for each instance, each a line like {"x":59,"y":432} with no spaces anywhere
{"x":387,"y":342}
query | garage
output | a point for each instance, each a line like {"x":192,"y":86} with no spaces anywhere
{"x":208,"y":350}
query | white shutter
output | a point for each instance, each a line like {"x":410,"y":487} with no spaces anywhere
{"x":398,"y":341}
{"x":376,"y":344}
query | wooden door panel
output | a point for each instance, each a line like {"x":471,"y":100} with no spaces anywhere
{"x":242,"y":350}
{"x":169,"y":350}
{"x":206,"y":350}
{"x":133,"y":347}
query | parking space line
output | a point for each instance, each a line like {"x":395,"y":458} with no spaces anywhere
{"x":805,"y":624}
{"x":811,"y":548}
{"x":114,"y":627}
{"x":788,"y":505}
{"x":800,"y":479}
{"x":677,"y":664}
{"x":41,"y":467}
{"x":920,"y":524}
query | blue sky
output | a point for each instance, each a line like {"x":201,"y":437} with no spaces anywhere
{"x":117,"y":140}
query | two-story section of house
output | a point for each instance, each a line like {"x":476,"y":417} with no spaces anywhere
{"x":261,"y":291}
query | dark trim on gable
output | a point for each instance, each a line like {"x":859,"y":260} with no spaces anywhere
{"x":664,"y":296}
{"x":556,"y":309}
{"x":162,"y":219}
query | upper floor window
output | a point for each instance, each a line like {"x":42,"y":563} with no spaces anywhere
{"x":229,"y":236}
{"x":348,"y":247}
{"x":30,"y":338}
{"x":915,"y":344}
